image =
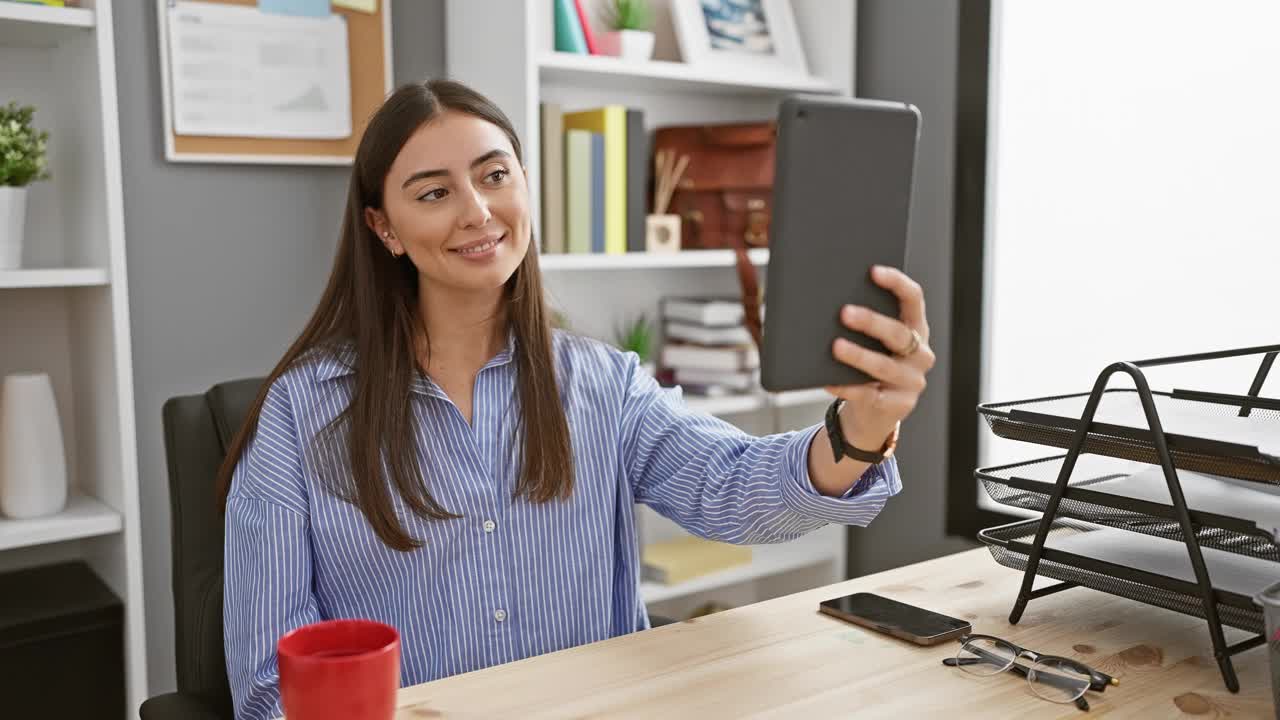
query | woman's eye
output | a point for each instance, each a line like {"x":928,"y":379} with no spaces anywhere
{"x":433,"y":195}
{"x":498,"y":176}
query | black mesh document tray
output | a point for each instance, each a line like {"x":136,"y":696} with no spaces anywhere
{"x":1099,"y":492}
{"x":1010,"y":545}
{"x":1052,"y":421}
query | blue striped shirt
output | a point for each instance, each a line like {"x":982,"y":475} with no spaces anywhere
{"x":510,"y":578}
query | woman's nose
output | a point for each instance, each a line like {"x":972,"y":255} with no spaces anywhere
{"x":475,"y":212}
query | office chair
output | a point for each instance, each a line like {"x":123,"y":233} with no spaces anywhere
{"x":197,"y":430}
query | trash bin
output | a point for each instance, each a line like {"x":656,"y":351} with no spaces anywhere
{"x":61,"y":644}
{"x":1269,"y":599}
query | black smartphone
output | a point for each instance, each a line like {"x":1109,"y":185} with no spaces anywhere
{"x":911,"y":623}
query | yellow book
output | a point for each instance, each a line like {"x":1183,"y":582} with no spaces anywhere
{"x":675,"y":561}
{"x":611,"y":122}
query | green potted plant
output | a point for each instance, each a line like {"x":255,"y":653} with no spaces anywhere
{"x":22,"y":162}
{"x":630,"y":24}
{"x":637,"y":336}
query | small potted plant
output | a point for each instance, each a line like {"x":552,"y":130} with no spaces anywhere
{"x":22,"y":162}
{"x":637,"y":337}
{"x":630,"y":33}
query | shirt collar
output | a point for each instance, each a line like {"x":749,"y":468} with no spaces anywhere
{"x":340,"y":361}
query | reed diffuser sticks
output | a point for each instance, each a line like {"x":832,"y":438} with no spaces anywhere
{"x":667,"y":174}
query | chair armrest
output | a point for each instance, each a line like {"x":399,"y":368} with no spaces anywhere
{"x":181,"y":706}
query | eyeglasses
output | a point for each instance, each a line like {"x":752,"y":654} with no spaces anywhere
{"x":1057,"y":679}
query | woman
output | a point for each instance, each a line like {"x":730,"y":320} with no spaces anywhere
{"x":431,"y":454}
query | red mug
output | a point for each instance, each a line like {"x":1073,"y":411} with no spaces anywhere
{"x":340,"y":670}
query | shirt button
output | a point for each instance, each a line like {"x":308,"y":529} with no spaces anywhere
{"x":489,"y":525}
{"x":499,"y":614}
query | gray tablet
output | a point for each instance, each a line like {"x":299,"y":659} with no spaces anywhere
{"x":841,"y":199}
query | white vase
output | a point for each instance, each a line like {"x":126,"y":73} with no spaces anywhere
{"x":13,"y":216}
{"x":627,"y":44}
{"x":33,"y":466}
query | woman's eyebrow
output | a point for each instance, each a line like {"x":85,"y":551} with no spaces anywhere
{"x":423,"y":174}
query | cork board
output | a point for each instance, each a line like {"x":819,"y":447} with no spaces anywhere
{"x":369,"y":59}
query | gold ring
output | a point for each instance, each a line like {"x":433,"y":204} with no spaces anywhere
{"x":916,"y":341}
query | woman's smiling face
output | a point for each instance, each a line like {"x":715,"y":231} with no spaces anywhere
{"x":456,"y":201}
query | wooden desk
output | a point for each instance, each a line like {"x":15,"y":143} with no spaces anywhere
{"x":782,"y":658}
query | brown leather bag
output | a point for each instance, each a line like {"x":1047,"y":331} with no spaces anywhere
{"x":724,"y":199}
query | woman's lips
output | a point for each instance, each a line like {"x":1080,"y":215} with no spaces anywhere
{"x":481,"y":249}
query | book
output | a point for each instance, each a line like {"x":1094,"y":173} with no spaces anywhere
{"x":708,"y":312}
{"x":569,"y":37}
{"x":552,"y":191}
{"x":598,"y":193}
{"x":738,"y":357}
{"x":587,"y":33}
{"x":611,"y":122}
{"x":577,"y":194}
{"x":637,"y":179}
{"x":705,"y":335}
{"x":675,"y":561}
{"x":737,"y":380}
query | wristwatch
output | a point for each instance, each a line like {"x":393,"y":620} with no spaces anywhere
{"x":843,"y":449}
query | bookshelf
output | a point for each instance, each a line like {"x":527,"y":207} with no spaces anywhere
{"x":66,"y":312}
{"x":517,"y":67}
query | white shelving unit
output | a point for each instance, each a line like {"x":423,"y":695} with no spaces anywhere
{"x":516,"y":66}
{"x":66,"y":311}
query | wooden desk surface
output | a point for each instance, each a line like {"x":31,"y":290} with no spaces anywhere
{"x":781,"y":658}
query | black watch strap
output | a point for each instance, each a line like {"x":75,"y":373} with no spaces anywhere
{"x":842,"y":449}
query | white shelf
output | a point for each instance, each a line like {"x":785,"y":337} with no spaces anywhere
{"x":736,"y":404}
{"x":83,"y":517}
{"x":27,"y":25}
{"x":52,"y":277}
{"x":813,"y":549}
{"x":647,"y":260}
{"x":662,"y":76}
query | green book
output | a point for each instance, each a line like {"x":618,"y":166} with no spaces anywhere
{"x":569,"y":36}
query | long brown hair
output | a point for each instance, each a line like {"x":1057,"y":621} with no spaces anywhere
{"x":371,"y":303}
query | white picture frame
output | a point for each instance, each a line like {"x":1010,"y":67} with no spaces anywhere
{"x":730,"y":47}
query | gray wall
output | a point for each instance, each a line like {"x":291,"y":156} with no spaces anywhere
{"x":907,"y":52}
{"x":225,"y":264}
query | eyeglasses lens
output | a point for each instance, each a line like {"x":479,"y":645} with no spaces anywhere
{"x":1054,"y":680}
{"x":984,"y":656}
